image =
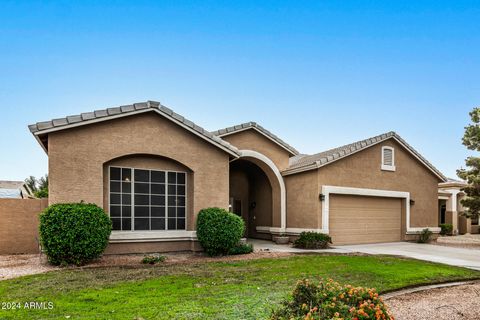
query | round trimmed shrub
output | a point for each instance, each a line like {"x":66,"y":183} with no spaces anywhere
{"x":74,"y":233}
{"x":218,"y":230}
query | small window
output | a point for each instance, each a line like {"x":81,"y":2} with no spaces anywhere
{"x":388,"y":159}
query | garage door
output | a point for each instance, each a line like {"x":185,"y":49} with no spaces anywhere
{"x":360,"y":219}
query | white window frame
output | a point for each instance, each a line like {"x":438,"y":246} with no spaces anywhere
{"x":132,"y":181}
{"x":388,"y":167}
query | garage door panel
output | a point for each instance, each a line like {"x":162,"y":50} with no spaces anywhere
{"x":357,"y":219}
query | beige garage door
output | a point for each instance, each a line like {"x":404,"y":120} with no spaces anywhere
{"x":360,"y":219}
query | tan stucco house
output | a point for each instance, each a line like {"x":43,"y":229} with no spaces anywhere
{"x":152,"y":170}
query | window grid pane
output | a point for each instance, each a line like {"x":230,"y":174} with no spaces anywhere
{"x":143,"y":199}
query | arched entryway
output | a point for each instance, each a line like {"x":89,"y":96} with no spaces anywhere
{"x":257,"y":194}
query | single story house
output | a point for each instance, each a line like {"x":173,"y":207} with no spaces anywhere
{"x":15,"y":190}
{"x":152,"y":170}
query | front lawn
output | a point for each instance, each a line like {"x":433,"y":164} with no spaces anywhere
{"x":219,"y":290}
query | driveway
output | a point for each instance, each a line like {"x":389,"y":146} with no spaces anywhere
{"x":461,"y":257}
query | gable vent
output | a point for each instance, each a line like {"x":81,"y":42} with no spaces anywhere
{"x":388,"y":157}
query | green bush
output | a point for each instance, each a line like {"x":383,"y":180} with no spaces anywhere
{"x":242,"y":248}
{"x":446,"y":229}
{"x":312,"y":240}
{"x":218,"y":230}
{"x":153,"y":259}
{"x":74,"y":233}
{"x":330,"y":300}
{"x":425,"y":236}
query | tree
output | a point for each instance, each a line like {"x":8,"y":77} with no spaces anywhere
{"x":471,"y":175}
{"x":39,"y":187}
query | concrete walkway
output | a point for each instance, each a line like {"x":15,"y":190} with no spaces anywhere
{"x":265,"y":245}
{"x":461,"y":257}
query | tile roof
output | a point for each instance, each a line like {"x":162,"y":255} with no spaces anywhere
{"x":254,"y":125}
{"x":5,"y":184}
{"x":326,"y":157}
{"x":105,"y":114}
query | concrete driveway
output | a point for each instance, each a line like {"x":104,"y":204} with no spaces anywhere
{"x":468,"y":258}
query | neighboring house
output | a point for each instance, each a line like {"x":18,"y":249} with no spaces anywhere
{"x":450,"y":207}
{"x":152,"y":170}
{"x":15,"y":190}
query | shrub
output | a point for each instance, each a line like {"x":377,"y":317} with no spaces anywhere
{"x":242,"y":248}
{"x":446,"y":229}
{"x":330,"y":300}
{"x":218,"y":230}
{"x":424,"y":236}
{"x":153,"y":259}
{"x":312,"y":240}
{"x":74,"y":233}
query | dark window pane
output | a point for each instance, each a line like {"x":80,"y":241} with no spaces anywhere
{"x":142,"y":188}
{"x":142,"y":211}
{"x":157,"y":200}
{"x":180,"y":224}
{"x":114,"y":173}
{"x":158,"y":188}
{"x":126,"y":198}
{"x":116,"y":225}
{"x":172,"y":177}
{"x":181,"y":201}
{"x":181,"y":178}
{"x":114,"y":198}
{"x":172,"y":201}
{"x":126,"y":211}
{"x":158,"y":224}
{"x":114,"y":186}
{"x":142,"y":224}
{"x":141,"y":199}
{"x":142,"y":175}
{"x":181,"y":212}
{"x":126,"y":174}
{"x":172,"y":212}
{"x":126,"y":187}
{"x":181,"y":190}
{"x":158,"y":176}
{"x":114,"y":211}
{"x":172,"y":189}
{"x":158,"y":211}
{"x":126,"y":224}
{"x":171,"y":224}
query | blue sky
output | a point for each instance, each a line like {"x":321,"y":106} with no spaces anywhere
{"x":317,"y":73}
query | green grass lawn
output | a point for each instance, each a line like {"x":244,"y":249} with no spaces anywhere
{"x":219,"y":290}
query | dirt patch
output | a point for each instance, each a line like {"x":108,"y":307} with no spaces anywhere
{"x":460,"y":302}
{"x":13,"y":266}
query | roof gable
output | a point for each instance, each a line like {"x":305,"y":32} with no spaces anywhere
{"x":310,"y":162}
{"x":258,"y":128}
{"x":41,"y":129}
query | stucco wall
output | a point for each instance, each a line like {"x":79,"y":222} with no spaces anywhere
{"x":303,"y":205}
{"x":77,"y":157}
{"x":363,"y":170}
{"x":19,"y":225}
{"x":253,"y":140}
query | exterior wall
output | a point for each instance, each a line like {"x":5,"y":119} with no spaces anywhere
{"x":252,"y":140}
{"x":77,"y":157}
{"x":146,"y":247}
{"x":363,"y":170}
{"x":19,"y":225}
{"x":303,"y":204}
